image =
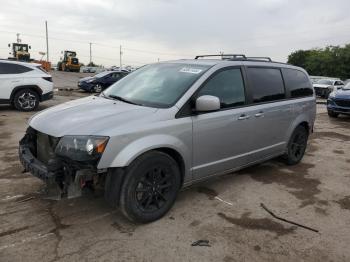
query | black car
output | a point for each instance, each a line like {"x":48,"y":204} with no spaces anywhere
{"x":101,"y":81}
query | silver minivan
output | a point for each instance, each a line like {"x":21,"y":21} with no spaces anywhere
{"x":169,"y":125}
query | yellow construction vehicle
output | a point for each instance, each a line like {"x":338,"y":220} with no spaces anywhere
{"x":69,"y":62}
{"x":20,"y":52}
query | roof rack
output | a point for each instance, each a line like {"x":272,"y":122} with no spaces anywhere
{"x":227,"y":56}
{"x":235,"y":57}
{"x":259,"y":58}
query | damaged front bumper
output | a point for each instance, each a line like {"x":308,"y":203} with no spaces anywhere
{"x":63,"y":178}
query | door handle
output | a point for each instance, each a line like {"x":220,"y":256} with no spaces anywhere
{"x":243,"y":117}
{"x":260,"y":114}
{"x":15,"y":81}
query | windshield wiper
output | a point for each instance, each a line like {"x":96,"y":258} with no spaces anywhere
{"x":123,"y":99}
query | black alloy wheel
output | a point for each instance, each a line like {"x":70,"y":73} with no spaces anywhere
{"x":297,"y":146}
{"x":150,"y":187}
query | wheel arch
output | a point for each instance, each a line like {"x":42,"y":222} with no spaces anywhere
{"x":300,"y":121}
{"x":169,"y":145}
{"x":32,"y":87}
{"x":177,"y":157}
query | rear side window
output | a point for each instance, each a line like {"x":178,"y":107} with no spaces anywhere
{"x":227,"y":86}
{"x":297,"y":83}
{"x":8,"y":68}
{"x":266,"y":84}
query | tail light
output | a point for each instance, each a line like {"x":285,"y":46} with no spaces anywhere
{"x":49,"y":78}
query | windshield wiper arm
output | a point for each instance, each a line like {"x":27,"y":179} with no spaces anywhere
{"x":122,"y":99}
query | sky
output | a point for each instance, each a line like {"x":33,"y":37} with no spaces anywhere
{"x":152,"y":30}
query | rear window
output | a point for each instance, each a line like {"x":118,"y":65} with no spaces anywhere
{"x":266,"y":84}
{"x":297,"y":83}
{"x":8,"y":68}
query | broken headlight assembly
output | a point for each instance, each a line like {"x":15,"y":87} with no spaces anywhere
{"x":81,"y":148}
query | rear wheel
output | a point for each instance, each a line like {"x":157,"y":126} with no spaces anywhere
{"x":332,"y":114}
{"x":150,"y":187}
{"x":296,"y":146}
{"x":26,"y":100}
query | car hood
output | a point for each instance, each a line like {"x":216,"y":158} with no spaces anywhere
{"x":322,"y":86}
{"x":343,"y":94}
{"x":86,"y":78}
{"x":88,"y":116}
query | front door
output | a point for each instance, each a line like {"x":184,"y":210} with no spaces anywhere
{"x":221,"y":139}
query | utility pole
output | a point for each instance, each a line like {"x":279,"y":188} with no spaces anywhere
{"x":47,"y":43}
{"x":120,"y":57}
{"x":90,"y":53}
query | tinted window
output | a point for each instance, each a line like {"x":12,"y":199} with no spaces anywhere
{"x":227,"y":86}
{"x":297,"y":83}
{"x":266,"y":84}
{"x":115,"y":75}
{"x":7,"y":68}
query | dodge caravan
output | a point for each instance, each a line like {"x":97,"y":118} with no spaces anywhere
{"x":169,"y":125}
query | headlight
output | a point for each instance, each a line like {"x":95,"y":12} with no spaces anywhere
{"x":81,"y":148}
{"x":332,"y":95}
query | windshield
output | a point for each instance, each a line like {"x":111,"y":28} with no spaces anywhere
{"x":157,"y":85}
{"x":347,"y":86}
{"x":325,"y":82}
{"x":102,"y":74}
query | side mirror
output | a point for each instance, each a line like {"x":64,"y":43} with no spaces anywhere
{"x":207,"y":103}
{"x":9,"y":45}
{"x":30,"y":47}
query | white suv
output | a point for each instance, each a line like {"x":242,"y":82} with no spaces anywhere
{"x":24,"y":85}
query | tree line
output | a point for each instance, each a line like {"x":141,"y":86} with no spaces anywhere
{"x":332,"y":61}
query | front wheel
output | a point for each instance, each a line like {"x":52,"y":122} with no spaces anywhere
{"x":98,"y":88}
{"x":26,"y":100}
{"x":296,"y":146}
{"x":150,"y":187}
{"x":332,"y":114}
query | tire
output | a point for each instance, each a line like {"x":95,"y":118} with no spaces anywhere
{"x":26,"y":100}
{"x":296,"y":146}
{"x":150,"y":187}
{"x":332,"y":114}
{"x":98,"y":88}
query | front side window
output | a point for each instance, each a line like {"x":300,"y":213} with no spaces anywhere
{"x":8,"y":68}
{"x":158,"y":85}
{"x":297,"y":83}
{"x":266,"y":84}
{"x":228,"y":86}
{"x":339,"y":83}
{"x":115,"y":75}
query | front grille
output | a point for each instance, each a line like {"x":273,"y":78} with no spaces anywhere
{"x":342,"y":102}
{"x":44,"y":147}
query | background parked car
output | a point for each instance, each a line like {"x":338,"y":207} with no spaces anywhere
{"x":24,"y":85}
{"x":100,"y":81}
{"x":339,"y":102}
{"x":89,"y":70}
{"x":324,"y":87}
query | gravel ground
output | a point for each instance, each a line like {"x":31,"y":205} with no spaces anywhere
{"x":225,"y":211}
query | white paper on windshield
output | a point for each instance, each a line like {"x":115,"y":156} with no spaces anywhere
{"x":190,"y":70}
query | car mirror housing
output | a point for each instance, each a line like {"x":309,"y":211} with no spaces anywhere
{"x":207,"y":103}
